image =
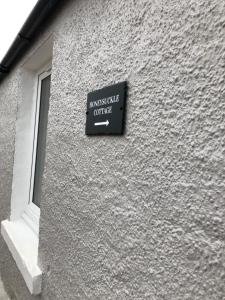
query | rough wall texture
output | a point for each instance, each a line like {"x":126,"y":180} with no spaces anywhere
{"x":139,"y":216}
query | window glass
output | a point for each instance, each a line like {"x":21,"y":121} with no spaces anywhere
{"x":41,"y":138}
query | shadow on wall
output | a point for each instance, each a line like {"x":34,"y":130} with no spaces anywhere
{"x":3,"y":294}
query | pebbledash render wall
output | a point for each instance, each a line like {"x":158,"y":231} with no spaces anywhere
{"x":139,"y":216}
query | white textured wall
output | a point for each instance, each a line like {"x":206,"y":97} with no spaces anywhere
{"x":139,"y":216}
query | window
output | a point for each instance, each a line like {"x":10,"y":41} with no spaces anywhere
{"x":31,"y":213}
{"x":40,"y":136}
{"x":21,"y":231}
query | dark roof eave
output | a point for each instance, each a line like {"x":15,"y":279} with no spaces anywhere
{"x":24,"y":38}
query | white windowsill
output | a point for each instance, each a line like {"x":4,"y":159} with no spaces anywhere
{"x":22,"y":242}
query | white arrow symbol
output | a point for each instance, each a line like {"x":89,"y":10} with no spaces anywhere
{"x":106,"y":123}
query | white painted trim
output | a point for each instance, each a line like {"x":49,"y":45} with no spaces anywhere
{"x":31,"y":216}
{"x":23,"y":245}
{"x":23,"y":146}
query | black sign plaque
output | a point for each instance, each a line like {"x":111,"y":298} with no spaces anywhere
{"x":106,"y":110}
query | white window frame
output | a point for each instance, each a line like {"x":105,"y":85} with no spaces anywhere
{"x":32,"y":213}
{"x":21,"y":230}
{"x":45,"y":72}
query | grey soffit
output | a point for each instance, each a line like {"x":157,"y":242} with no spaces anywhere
{"x":26,"y":35}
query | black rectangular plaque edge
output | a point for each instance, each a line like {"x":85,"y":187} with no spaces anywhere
{"x":106,"y":110}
